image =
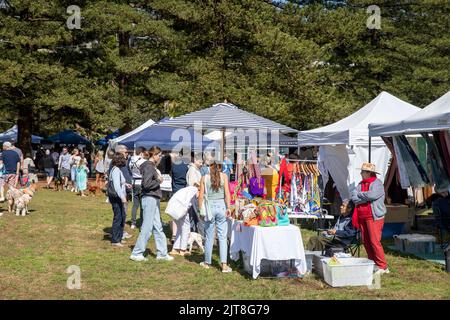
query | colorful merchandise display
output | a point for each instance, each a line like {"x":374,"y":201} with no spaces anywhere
{"x":299,"y":187}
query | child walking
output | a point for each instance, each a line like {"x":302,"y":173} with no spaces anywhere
{"x":82,"y":176}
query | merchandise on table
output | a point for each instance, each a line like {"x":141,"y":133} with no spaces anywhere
{"x":270,"y":176}
{"x":262,"y":213}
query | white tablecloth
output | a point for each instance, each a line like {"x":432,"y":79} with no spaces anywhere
{"x":271,"y":243}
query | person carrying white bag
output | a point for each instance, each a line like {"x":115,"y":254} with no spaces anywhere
{"x":177,"y":208}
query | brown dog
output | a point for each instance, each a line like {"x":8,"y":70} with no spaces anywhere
{"x":93,"y":189}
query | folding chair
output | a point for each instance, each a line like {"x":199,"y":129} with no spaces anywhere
{"x":353,"y":248}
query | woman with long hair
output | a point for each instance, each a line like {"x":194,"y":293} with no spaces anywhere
{"x":74,"y":160}
{"x":82,"y":176}
{"x":151,"y":196}
{"x":214,"y":186}
{"x":99,"y":165}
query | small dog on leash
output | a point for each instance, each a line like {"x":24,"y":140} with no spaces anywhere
{"x":18,"y":199}
{"x":59,"y":183}
{"x":195,"y":237}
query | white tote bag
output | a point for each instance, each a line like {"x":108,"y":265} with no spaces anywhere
{"x":166,"y":185}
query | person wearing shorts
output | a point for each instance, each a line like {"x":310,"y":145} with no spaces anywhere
{"x":64,"y":167}
{"x":48,"y":164}
{"x":11,"y":162}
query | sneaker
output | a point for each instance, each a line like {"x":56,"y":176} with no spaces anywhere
{"x":133,"y":226}
{"x":166,"y":258}
{"x":138,"y":258}
{"x":2,"y":199}
{"x":227,"y":269}
{"x":1,"y":213}
{"x":117,"y":244}
{"x":381,"y":271}
{"x":126,"y":236}
{"x":72,"y":190}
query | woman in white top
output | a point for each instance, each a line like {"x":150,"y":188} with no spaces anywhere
{"x":194,"y":175}
{"x":99,"y":165}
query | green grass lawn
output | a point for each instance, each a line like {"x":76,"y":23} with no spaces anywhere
{"x":65,"y":230}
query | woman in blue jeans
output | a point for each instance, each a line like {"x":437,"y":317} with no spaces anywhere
{"x":214,"y":186}
{"x":151,"y":196}
{"x":117,"y":201}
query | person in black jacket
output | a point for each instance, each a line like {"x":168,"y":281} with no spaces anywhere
{"x":151,"y":196}
{"x":48,"y":164}
{"x":341,"y":235}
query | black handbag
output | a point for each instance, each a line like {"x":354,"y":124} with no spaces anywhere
{"x":331,"y":251}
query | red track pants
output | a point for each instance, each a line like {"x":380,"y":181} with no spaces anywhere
{"x":371,"y":238}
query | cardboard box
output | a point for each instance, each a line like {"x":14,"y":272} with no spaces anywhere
{"x":397,"y":213}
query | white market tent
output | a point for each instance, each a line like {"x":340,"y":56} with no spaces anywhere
{"x":434,"y":117}
{"x":344,"y":145}
{"x":114,"y":142}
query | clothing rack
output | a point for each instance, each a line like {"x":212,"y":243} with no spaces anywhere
{"x":324,"y":215}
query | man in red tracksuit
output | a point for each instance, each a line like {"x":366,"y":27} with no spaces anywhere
{"x":369,"y":215}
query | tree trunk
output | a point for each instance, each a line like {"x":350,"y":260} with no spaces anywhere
{"x":24,"y":129}
{"x":124,"y":44}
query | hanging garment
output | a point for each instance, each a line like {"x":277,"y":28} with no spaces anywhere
{"x":239,"y":166}
{"x":404,"y":179}
{"x":445,"y":148}
{"x":440,"y":176}
{"x":393,"y":168}
{"x":416,"y":173}
{"x":419,"y":198}
{"x":294,"y":195}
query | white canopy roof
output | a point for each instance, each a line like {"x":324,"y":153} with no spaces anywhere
{"x":353,"y":130}
{"x":114,"y":142}
{"x":434,"y":117}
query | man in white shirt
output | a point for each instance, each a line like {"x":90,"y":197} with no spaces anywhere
{"x":135,"y":163}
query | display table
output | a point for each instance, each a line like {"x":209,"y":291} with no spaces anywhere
{"x":322,"y":218}
{"x":271,"y":243}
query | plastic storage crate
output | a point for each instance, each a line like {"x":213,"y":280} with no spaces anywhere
{"x":423,"y":244}
{"x":309,"y":255}
{"x":351,"y":272}
{"x":415,"y":243}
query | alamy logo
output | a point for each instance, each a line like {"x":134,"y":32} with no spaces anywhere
{"x":74,"y":20}
{"x":374,"y":20}
{"x":74,"y":280}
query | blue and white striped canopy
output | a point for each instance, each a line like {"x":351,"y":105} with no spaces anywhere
{"x":224,"y":116}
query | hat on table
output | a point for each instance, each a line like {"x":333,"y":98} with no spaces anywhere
{"x":366,"y":166}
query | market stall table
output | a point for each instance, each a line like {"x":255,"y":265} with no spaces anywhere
{"x":304,"y":216}
{"x":271,"y":243}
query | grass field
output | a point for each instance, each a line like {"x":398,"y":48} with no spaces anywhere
{"x":65,"y":230}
